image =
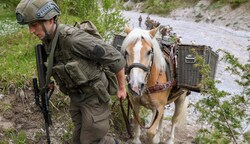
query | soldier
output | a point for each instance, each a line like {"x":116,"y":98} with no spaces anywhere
{"x":140,"y":20}
{"x":163,"y":31}
{"x":148,"y":18}
{"x":147,"y":22}
{"x":156,"y":24}
{"x":78,"y":58}
{"x":179,"y":40}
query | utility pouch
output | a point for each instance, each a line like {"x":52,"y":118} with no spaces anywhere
{"x":112,"y":82}
{"x":61,"y":76}
{"x":100,"y":90}
{"x":76,"y":72}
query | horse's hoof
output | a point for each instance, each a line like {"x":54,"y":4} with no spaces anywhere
{"x":136,"y":141}
{"x":170,"y":141}
{"x":156,"y":140}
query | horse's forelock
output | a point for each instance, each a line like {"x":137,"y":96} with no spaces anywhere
{"x":138,"y":34}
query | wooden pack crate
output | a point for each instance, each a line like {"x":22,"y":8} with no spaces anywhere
{"x":117,"y":41}
{"x":188,"y":76}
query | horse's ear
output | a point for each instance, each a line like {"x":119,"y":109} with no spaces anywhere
{"x":153,"y":31}
{"x":127,"y":29}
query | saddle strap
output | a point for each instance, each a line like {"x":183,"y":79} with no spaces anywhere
{"x":162,"y":87}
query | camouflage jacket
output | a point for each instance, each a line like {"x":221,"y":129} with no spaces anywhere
{"x":79,"y":58}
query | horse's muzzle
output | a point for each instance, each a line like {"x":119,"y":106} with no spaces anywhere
{"x":137,"y":90}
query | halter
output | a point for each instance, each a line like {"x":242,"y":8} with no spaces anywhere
{"x":141,"y":66}
{"x":157,"y":87}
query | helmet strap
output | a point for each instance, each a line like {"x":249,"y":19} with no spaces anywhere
{"x":47,"y":34}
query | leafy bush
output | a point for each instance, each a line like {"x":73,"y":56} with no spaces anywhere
{"x":224,"y":112}
{"x":10,"y":4}
{"x":232,"y":3}
{"x":106,"y":16}
{"x":165,"y":6}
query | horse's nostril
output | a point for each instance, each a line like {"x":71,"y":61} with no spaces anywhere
{"x":129,"y":85}
{"x":142,"y":86}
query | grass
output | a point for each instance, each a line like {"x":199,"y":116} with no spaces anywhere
{"x":16,"y":52}
{"x":17,"y":58}
{"x":4,"y":106}
{"x":4,"y":13}
{"x":17,"y":137}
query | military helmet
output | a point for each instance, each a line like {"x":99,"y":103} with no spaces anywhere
{"x":28,"y":11}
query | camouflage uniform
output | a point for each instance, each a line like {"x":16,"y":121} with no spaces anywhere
{"x":89,"y":110}
{"x":78,"y":70}
{"x":140,"y":20}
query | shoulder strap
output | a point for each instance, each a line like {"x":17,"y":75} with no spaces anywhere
{"x":51,"y":58}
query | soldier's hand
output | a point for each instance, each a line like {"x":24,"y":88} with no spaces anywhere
{"x":51,"y":85}
{"x":121,"y":93}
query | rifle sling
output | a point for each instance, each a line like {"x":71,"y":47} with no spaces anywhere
{"x":50,"y":59}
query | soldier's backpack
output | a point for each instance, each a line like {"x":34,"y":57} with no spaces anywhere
{"x":90,"y":28}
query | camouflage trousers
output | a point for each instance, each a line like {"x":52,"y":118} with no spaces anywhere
{"x":91,"y":120}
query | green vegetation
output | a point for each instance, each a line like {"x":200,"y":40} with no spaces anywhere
{"x":232,"y":3}
{"x":17,"y":59}
{"x":223,"y":111}
{"x":108,"y":19}
{"x":164,"y":7}
{"x":4,"y":106}
{"x":6,"y":14}
{"x":16,"y":137}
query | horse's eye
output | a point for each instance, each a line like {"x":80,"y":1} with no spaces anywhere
{"x":149,"y":52}
{"x":126,"y":54}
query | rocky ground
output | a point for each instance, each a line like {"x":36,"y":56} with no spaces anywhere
{"x":203,"y":12}
{"x":237,"y":19}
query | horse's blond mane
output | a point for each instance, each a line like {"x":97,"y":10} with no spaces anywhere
{"x":136,"y":34}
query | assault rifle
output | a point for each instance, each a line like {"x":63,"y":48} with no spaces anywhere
{"x":42,"y":93}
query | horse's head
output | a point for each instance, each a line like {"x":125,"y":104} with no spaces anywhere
{"x":141,"y":51}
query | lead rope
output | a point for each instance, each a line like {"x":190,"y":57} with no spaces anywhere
{"x":126,"y":119}
{"x":136,"y":116}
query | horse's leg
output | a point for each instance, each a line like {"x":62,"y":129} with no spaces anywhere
{"x":179,"y":114}
{"x":153,"y":130}
{"x":157,"y":137}
{"x":137,"y":128}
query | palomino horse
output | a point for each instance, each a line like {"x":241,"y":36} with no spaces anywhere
{"x":146,"y":68}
